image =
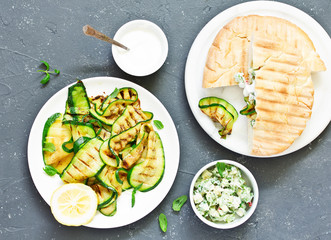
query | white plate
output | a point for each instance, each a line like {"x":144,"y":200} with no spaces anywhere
{"x":237,"y":141}
{"x":145,"y":202}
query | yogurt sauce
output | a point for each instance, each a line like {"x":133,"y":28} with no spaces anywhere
{"x":147,"y":52}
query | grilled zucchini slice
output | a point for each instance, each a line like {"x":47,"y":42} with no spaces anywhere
{"x":77,"y":101}
{"x":85,"y":164}
{"x":56,"y":133}
{"x":150,"y":170}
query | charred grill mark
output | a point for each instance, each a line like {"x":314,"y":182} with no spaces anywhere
{"x":78,"y":170}
{"x":85,"y":163}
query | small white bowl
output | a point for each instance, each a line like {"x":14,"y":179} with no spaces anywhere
{"x":148,"y":48}
{"x":250,"y":181}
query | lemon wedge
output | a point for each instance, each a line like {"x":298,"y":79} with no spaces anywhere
{"x":74,"y":204}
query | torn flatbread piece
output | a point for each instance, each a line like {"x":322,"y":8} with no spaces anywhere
{"x":228,"y":54}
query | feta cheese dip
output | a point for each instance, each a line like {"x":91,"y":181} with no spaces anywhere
{"x":221,"y":195}
{"x":148,"y":48}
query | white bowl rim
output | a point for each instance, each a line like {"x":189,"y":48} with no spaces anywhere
{"x":157,"y":30}
{"x":238,"y":221}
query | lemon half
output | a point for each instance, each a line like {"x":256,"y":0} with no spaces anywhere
{"x":74,"y":204}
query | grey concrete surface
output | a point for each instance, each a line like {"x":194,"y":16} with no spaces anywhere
{"x":295,"y":190}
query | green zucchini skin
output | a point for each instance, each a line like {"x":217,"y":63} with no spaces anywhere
{"x":55,"y":132}
{"x":77,"y":101}
{"x":150,"y":169}
{"x":208,"y":101}
{"x":85,"y":164}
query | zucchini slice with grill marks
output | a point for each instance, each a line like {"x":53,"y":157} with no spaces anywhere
{"x":131,"y":157}
{"x":80,"y":129}
{"x":107,"y":177}
{"x":218,"y":113}
{"x":109,"y":113}
{"x":110,"y":149}
{"x":129,"y":118}
{"x":208,"y":101}
{"x":109,"y":210}
{"x":56,"y":133}
{"x":77,"y":101}
{"x":85,"y":164}
{"x":104,"y":194}
{"x":150,"y":170}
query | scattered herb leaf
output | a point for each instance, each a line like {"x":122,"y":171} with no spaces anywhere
{"x":51,"y":171}
{"x":47,"y":72}
{"x":49,"y":147}
{"x":133,"y":200}
{"x":163,"y":222}
{"x":46,"y":65}
{"x":158,"y":124}
{"x":114,"y":93}
{"x":178,"y":203}
{"x":45,"y":79}
{"x":221,"y":167}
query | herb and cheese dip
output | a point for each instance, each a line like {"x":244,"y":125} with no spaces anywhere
{"x":220,"y":194}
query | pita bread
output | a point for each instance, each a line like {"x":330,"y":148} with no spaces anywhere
{"x":229,"y":51}
{"x":284,"y":97}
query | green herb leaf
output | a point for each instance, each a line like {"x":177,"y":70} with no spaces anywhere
{"x":221,"y":167}
{"x":49,"y":147}
{"x":178,"y":203}
{"x":158,"y":124}
{"x":51,"y":171}
{"x":163,"y":222}
{"x":114,"y":93}
{"x":45,"y":79}
{"x":46,"y":64}
{"x":57,"y":71}
{"x":133,"y":200}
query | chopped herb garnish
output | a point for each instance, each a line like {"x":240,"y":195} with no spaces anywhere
{"x":51,"y":171}
{"x":158,"y":124}
{"x":114,"y":93}
{"x":178,"y":203}
{"x":49,"y":147}
{"x":47,"y":72}
{"x":163,"y":222}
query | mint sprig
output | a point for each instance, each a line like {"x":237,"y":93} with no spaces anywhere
{"x":47,"y":72}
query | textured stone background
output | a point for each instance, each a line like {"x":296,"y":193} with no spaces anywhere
{"x":295,"y":191}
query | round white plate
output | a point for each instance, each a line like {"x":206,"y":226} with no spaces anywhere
{"x":145,"y":202}
{"x":237,"y":141}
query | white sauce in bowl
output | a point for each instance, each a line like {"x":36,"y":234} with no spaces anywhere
{"x":148,"y":48}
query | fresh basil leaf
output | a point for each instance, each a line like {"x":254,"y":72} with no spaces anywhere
{"x":51,"y":171}
{"x":114,"y":93}
{"x":45,"y":79}
{"x":178,"y":203}
{"x":133,"y":200}
{"x":221,"y":167}
{"x":49,"y":147}
{"x":57,"y":71}
{"x":158,"y":124}
{"x":46,"y":65}
{"x":163,"y":222}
